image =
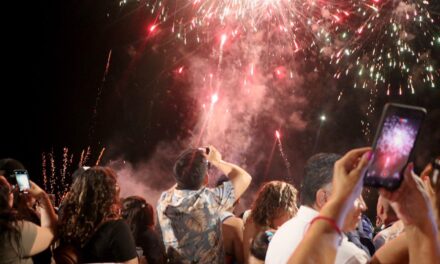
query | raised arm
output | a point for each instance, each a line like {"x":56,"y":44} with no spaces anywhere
{"x":45,"y":232}
{"x":413,"y":207}
{"x":325,"y":230}
{"x":239,"y":177}
{"x":392,"y":252}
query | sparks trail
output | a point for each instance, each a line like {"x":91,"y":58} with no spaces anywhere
{"x":52,"y":172}
{"x":322,"y":119}
{"x":59,"y":180}
{"x":62,"y":188}
{"x":100,"y":156}
{"x":283,"y":154}
{"x":269,"y":160}
{"x":205,"y":123}
{"x":44,"y":172}
{"x":86,"y":156}
{"x":98,"y":97}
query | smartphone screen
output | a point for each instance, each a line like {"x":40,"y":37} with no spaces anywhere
{"x":395,"y":139}
{"x":22,"y":177}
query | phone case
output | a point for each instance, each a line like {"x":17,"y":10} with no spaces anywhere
{"x":387,"y":182}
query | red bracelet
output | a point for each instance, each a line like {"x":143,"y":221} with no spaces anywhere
{"x":329,"y":220}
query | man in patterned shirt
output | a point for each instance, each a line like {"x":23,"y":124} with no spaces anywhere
{"x":188,"y":213}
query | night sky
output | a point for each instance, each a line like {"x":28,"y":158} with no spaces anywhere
{"x":56,"y":58}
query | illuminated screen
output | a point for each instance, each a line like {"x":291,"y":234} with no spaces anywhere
{"x":22,"y":181}
{"x":394,"y":146}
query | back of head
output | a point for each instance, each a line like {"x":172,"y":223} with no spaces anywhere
{"x":7,"y":167}
{"x":190,"y":169}
{"x":78,"y":172}
{"x":92,"y":199}
{"x":260,"y":244}
{"x":138,"y":213}
{"x":273,"y":199}
{"x":318,"y":172}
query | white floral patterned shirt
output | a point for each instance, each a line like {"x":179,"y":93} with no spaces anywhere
{"x":190,"y":225}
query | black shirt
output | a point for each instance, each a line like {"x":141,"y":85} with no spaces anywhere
{"x":152,"y":246}
{"x":112,"y":242}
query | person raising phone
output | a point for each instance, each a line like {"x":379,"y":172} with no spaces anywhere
{"x":20,"y":239}
{"x":393,"y":145}
{"x":24,"y":205}
{"x":410,"y":201}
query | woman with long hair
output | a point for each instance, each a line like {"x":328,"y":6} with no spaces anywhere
{"x":275,"y":204}
{"x":139,"y":215}
{"x":90,"y":219}
{"x":20,"y":239}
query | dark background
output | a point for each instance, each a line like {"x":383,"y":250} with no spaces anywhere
{"x":55,"y":60}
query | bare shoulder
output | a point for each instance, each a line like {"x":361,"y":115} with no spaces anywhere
{"x":234,"y":222}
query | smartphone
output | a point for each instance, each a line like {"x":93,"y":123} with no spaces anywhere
{"x":393,"y":145}
{"x":22,"y":178}
{"x":205,"y":149}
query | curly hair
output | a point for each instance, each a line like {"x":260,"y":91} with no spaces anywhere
{"x":92,"y":199}
{"x":273,"y":198}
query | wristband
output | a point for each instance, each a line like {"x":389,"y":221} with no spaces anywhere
{"x":329,"y":220}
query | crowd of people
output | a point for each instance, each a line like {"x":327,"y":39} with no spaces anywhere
{"x":322,"y":222}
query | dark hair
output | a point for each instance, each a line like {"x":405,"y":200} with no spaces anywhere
{"x":260,"y":244}
{"x":138,"y":213}
{"x":8,"y":217}
{"x":318,"y":172}
{"x":78,"y":172}
{"x":7,"y":167}
{"x":92,"y":199}
{"x":190,"y":169}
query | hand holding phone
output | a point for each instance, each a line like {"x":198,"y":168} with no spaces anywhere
{"x":213,"y":155}
{"x":22,"y":178}
{"x":393,"y":145}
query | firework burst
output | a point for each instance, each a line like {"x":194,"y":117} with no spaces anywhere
{"x":387,"y":46}
{"x":384,"y":45}
{"x":299,"y":24}
{"x":248,"y":60}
